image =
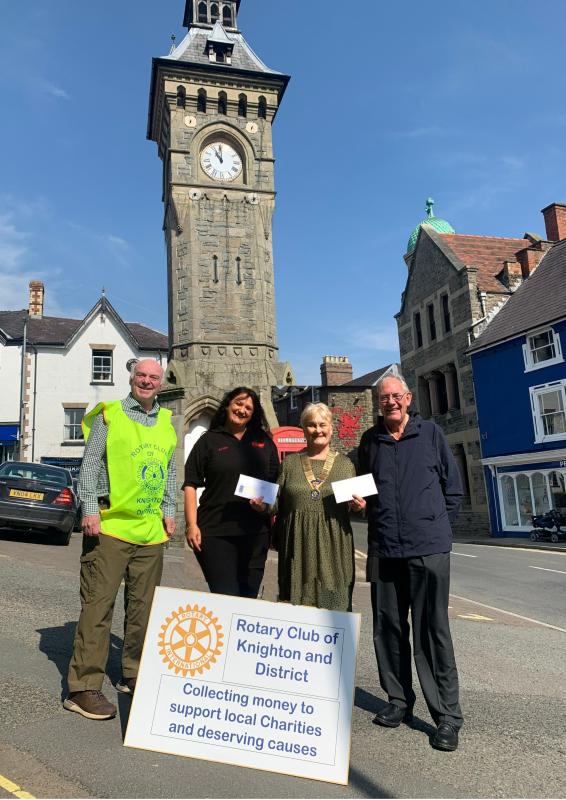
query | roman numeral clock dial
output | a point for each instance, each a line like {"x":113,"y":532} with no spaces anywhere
{"x":221,"y":162}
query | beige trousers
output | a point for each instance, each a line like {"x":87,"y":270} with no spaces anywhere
{"x":105,"y":562}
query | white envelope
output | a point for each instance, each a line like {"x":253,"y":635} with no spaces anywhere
{"x":363,"y":486}
{"x":253,"y":487}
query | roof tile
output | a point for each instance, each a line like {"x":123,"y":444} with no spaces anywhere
{"x":487,"y":253}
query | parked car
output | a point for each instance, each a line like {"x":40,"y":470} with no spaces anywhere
{"x":38,"y":497}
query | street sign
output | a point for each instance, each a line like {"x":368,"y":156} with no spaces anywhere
{"x":247,"y":682}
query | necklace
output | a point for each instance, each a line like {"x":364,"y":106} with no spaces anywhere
{"x":316,"y":483}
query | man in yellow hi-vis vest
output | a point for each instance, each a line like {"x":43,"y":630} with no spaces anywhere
{"x":127,"y":488}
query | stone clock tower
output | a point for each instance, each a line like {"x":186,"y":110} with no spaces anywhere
{"x":212,"y":105}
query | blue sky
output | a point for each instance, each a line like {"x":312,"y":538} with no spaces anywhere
{"x":388,"y":104}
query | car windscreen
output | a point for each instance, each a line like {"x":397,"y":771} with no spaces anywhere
{"x":34,"y":473}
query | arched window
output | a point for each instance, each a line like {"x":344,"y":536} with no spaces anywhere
{"x":214,"y":13}
{"x":524,"y":498}
{"x":262,"y":108}
{"x":181,"y":96}
{"x":222,"y":103}
{"x":227,"y":17}
{"x":201,"y":101}
{"x":540,"y":493}
{"x":509,"y":500}
{"x":243,"y":106}
{"x":202,"y":12}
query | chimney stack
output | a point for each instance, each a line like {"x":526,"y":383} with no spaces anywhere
{"x":36,"y":294}
{"x":335,"y":370}
{"x":555,"y":221}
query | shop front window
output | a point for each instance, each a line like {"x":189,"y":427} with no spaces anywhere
{"x":526,"y":494}
{"x":540,"y":493}
{"x":558,"y":490}
{"x":509,"y":500}
{"x":525,"y":499}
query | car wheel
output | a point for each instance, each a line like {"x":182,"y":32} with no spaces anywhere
{"x":61,"y":538}
{"x":554,"y":538}
{"x":534,"y":536}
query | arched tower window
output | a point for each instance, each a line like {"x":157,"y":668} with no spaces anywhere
{"x":243,"y":106}
{"x":181,"y":96}
{"x":262,"y":108}
{"x":222,"y":103}
{"x":227,"y":17}
{"x":214,"y":13}
{"x":201,"y":101}
{"x":202,"y":12}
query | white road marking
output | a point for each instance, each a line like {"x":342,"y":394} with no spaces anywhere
{"x":544,"y":569}
{"x":521,"y":549}
{"x":475,"y":617}
{"x":466,"y":555}
{"x":510,"y":613}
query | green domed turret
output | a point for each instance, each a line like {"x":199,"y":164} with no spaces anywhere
{"x":438,"y":224}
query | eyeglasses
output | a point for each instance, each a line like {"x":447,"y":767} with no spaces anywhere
{"x":397,"y":397}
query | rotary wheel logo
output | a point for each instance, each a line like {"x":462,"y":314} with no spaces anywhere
{"x":190,"y":640}
{"x":152,"y":475}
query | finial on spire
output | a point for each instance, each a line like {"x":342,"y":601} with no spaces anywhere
{"x":173,"y":40}
{"x":103,"y":293}
{"x":429,"y":205}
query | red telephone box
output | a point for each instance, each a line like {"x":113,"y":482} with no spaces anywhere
{"x":288,"y":439}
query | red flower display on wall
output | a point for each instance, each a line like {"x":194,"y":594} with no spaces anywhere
{"x":348,"y":424}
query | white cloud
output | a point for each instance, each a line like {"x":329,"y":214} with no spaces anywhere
{"x":381,"y":339}
{"x":420,"y":133}
{"x":19,"y":255}
{"x":50,"y":88}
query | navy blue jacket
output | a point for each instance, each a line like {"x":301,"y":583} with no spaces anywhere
{"x":420,"y":490}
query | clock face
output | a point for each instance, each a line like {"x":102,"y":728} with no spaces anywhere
{"x":221,"y":162}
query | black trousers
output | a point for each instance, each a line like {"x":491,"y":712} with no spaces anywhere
{"x":421,"y":585}
{"x":234,"y":565}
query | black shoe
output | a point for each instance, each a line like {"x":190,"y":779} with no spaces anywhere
{"x":445,"y":738}
{"x":391,"y":716}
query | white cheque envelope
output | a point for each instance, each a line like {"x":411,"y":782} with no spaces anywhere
{"x":363,"y":486}
{"x":253,"y":487}
{"x":247,"y":682}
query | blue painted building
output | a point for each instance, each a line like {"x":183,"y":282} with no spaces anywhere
{"x":519,"y":372}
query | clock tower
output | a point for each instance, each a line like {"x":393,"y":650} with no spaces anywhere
{"x":212,"y":105}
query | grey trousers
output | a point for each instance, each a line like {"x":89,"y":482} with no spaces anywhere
{"x":421,"y":585}
{"x":105,"y":562}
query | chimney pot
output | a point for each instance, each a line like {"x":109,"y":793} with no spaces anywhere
{"x":335,"y":370}
{"x":555,"y":221}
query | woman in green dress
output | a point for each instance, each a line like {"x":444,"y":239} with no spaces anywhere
{"x":312,"y":531}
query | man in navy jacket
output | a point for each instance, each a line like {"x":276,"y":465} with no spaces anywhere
{"x":409,"y":543}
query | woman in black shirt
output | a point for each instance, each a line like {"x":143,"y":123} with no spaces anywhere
{"x":229,"y":534}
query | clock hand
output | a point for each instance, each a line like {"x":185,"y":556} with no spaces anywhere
{"x":220,"y":153}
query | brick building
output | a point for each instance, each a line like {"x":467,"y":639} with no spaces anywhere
{"x":353,"y":401}
{"x":456,"y":284}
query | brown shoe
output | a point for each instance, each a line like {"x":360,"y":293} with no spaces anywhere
{"x":91,"y":704}
{"x":126,"y":685}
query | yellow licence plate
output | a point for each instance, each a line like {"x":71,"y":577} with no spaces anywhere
{"x":26,"y":495}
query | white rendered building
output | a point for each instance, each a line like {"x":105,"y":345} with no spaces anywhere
{"x":70,"y":365}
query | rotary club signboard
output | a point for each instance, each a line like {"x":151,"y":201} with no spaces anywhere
{"x":247,"y":682}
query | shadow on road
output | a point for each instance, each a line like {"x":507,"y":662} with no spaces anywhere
{"x":371,"y":703}
{"x":366,"y":785}
{"x":57,"y":644}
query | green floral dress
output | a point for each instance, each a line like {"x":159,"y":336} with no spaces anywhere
{"x":314,"y":538}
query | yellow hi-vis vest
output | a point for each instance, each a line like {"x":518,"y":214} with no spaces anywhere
{"x":137,"y":457}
